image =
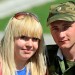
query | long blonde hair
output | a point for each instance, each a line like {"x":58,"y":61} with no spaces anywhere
{"x":28,"y":26}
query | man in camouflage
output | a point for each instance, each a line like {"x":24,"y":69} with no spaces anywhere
{"x":61,"y":21}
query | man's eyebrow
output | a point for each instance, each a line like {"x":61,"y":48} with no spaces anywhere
{"x":54,"y":24}
{"x":67,"y":23}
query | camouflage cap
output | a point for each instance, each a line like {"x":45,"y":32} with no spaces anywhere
{"x":63,"y":11}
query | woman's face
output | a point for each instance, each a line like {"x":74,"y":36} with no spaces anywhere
{"x":25,"y":47}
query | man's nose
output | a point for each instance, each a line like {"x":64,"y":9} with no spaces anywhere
{"x":62,"y":34}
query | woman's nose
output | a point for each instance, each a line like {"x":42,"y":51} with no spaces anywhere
{"x":29,"y":42}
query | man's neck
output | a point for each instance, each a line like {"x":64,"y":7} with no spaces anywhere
{"x":69,"y":54}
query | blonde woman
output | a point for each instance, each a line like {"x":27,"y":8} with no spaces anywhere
{"x":22,"y":46}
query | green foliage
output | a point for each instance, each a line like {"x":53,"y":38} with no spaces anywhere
{"x":41,"y":11}
{"x":3,"y":23}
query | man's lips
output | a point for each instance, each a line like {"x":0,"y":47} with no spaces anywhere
{"x":63,"y":41}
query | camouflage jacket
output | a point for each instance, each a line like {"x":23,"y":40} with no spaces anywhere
{"x":53,"y":64}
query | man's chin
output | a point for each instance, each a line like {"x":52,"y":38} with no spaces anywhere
{"x":64,"y":46}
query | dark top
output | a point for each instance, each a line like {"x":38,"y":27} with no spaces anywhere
{"x":55,"y":65}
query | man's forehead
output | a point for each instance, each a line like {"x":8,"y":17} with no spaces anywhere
{"x":61,"y":22}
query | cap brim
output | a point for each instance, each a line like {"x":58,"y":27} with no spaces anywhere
{"x":66,"y":17}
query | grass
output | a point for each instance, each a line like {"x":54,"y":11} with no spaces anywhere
{"x":41,"y":11}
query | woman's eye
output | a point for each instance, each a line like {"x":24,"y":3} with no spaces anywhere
{"x":27,"y":38}
{"x":24,"y":37}
{"x":35,"y":39}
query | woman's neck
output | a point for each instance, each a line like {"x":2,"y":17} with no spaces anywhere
{"x":20,"y":64}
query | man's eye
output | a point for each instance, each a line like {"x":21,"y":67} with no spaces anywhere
{"x":66,"y":27}
{"x":55,"y":28}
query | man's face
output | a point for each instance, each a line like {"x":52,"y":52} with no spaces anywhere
{"x":63,"y":33}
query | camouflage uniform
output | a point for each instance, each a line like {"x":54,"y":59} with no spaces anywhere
{"x":53,"y":63}
{"x":63,"y":11}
